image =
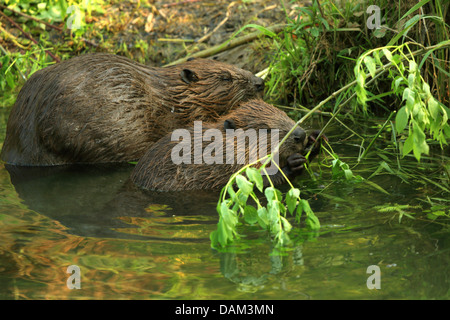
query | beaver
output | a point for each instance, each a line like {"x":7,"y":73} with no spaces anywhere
{"x":161,"y":169}
{"x":100,"y":108}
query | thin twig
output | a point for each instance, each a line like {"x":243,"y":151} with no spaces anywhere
{"x":46,"y":23}
{"x":220,"y":24}
{"x":13,"y":38}
{"x":32,"y":18}
{"x":229,"y":44}
{"x":181,"y":2}
{"x":28,"y":36}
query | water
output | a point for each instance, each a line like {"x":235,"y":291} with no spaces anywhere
{"x":134,"y":245}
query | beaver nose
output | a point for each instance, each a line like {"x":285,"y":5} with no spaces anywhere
{"x":299,"y":135}
{"x":259,"y":83}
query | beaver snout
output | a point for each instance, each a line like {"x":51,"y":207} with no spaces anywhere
{"x":299,"y":136}
{"x":259,"y":84}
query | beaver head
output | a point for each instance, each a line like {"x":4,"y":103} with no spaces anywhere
{"x":202,"y":159}
{"x":256,"y":114}
{"x":204,"y":89}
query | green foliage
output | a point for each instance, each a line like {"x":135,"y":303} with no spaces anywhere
{"x":272,"y":217}
{"x":290,"y":67}
{"x":421,"y":113}
{"x":341,"y":170}
{"x":401,"y":210}
{"x":55,"y":10}
{"x":17,"y":66}
{"x":14,"y":71}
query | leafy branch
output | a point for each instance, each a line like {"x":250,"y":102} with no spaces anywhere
{"x":421,"y":113}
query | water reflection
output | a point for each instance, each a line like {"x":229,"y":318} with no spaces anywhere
{"x":98,"y":200}
{"x":172,"y":259}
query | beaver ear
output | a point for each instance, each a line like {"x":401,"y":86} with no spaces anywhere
{"x":188,"y":76}
{"x":229,"y":124}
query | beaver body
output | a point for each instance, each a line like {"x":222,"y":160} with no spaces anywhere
{"x":100,"y":108}
{"x":165,"y":167}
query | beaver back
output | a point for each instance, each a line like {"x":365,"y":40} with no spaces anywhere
{"x":100,"y":108}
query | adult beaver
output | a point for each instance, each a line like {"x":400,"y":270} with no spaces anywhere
{"x":100,"y":108}
{"x":201,"y":162}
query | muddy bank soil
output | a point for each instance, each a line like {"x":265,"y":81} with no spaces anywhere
{"x":158,"y":32}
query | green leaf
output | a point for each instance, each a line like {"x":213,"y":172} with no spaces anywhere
{"x":412,"y":66}
{"x":255,"y":176}
{"x":250,"y":215}
{"x":396,"y":59}
{"x":426,"y":89}
{"x":376,"y":55}
{"x":213,"y":237}
{"x":244,"y":185}
{"x":348,"y":174}
{"x":291,"y":199}
{"x":420,"y":146}
{"x":314,"y":32}
{"x":406,"y":28}
{"x":231,"y":192}
{"x":272,"y":194}
{"x":311,"y":220}
{"x":406,"y":93}
{"x":10,"y":80}
{"x":261,"y":29}
{"x":410,"y":100}
{"x":408,"y":145}
{"x":433,"y":107}
{"x":361,"y":79}
{"x":222,"y":234}
{"x":273,"y":208}
{"x":229,"y":218}
{"x":414,"y":8}
{"x":387,"y":54}
{"x":286,"y":225}
{"x":371,"y":65}
{"x":397,"y":83}
{"x":263,"y":217}
{"x":411,"y":78}
{"x":241,"y":199}
{"x":401,"y":120}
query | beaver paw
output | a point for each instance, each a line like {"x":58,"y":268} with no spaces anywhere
{"x":295,"y":163}
{"x":312,"y":140}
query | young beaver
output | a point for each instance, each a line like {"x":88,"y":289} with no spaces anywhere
{"x":206,"y":165}
{"x":100,"y":108}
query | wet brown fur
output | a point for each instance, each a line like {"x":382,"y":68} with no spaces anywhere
{"x":101,"y":108}
{"x":157,"y":171}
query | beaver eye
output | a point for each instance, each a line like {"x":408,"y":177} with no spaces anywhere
{"x":226,"y":76}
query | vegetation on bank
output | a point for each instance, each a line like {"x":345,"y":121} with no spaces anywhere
{"x":382,"y":72}
{"x":333,"y":58}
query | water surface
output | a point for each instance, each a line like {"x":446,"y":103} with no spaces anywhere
{"x":135,"y":245}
